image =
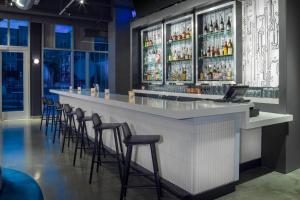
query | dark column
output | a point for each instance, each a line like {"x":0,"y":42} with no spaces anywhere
{"x":293,"y":83}
{"x":119,"y":48}
{"x":35,"y":69}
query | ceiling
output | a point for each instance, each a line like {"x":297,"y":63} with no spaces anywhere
{"x":97,"y":11}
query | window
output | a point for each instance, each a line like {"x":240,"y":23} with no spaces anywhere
{"x":63,"y":36}
{"x":79,"y":69}
{"x":12,"y":82}
{"x":57,"y":70}
{"x":98,"y":69}
{"x":100,"y":44}
{"x":18,"y":33}
{"x":3,"y":31}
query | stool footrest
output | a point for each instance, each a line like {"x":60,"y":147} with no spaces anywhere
{"x":142,"y":187}
{"x":140,"y":174}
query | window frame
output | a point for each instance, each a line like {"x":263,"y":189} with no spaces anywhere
{"x":54,"y":39}
{"x":8,"y":35}
{"x":73,"y":50}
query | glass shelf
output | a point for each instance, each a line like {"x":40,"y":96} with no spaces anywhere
{"x":216,"y":34}
{"x":155,"y":46}
{"x":152,"y":63}
{"x":177,"y":41}
{"x":181,"y":60}
{"x":219,"y":80}
{"x":216,"y":57}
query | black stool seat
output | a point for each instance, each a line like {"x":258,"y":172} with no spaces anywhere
{"x":86,"y":119}
{"x":109,"y":126}
{"x":135,"y":140}
{"x":98,"y":144}
{"x":82,"y":134}
{"x":141,"y":139}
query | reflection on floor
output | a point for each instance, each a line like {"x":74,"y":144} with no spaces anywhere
{"x":25,"y":148}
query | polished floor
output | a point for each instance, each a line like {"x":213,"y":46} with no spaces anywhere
{"x":24,"y":147}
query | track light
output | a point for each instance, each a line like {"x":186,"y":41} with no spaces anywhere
{"x":81,"y":1}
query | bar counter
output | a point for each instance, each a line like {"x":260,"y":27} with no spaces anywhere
{"x":200,"y":146}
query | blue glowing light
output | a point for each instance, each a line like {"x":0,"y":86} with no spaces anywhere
{"x":133,"y":13}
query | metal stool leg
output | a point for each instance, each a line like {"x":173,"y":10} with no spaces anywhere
{"x":47,"y":120}
{"x":155,"y":170}
{"x":76,"y":145}
{"x":93,"y":158}
{"x":42,"y":117}
{"x":65,"y":135}
{"x":126,"y":172}
{"x":117,"y":153}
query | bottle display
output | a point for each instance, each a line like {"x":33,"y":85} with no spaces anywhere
{"x":179,"y":50}
{"x":216,"y":46}
{"x":152,"y":59}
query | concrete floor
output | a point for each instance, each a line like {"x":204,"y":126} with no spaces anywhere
{"x":24,"y":147}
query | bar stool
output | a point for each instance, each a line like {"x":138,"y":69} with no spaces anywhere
{"x":59,"y":121}
{"x":130,"y":141}
{"x":50,"y":114}
{"x":98,"y":144}
{"x":82,"y":135}
{"x":70,"y":130}
{"x":44,"y":111}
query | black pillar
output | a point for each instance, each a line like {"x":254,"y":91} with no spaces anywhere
{"x":119,"y":48}
{"x":35,"y":69}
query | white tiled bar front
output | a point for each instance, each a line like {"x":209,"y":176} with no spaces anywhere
{"x":200,"y":146}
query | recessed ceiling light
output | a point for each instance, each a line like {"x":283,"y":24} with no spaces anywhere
{"x":81,"y":1}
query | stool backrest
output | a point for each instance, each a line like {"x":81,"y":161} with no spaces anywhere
{"x":58,"y":105}
{"x":96,"y":121}
{"x":50,"y":102}
{"x":44,"y":100}
{"x":126,"y":130}
{"x":67,"y":108}
{"x":79,"y":114}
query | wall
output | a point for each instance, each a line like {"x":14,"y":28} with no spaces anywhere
{"x":261,"y":43}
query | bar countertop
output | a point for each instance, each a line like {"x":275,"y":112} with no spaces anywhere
{"x":161,"y":107}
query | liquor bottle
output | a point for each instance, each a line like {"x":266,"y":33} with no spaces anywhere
{"x":230,"y":47}
{"x":208,"y":52}
{"x":224,"y":71}
{"x":229,"y":73}
{"x":213,"y":53}
{"x":174,"y":58}
{"x":170,"y":56}
{"x":221,"y":51}
{"x":216,"y":28}
{"x":184,"y":32}
{"x":225,"y":49}
{"x":222,"y":24}
{"x":158,"y":57}
{"x":183,"y":76}
{"x":217,"y":53}
{"x":205,"y":29}
{"x":211,"y":27}
{"x":186,"y":54}
{"x":189,"y":31}
{"x":146,"y":41}
{"x":201,"y":76}
{"x":190,"y":53}
{"x":228,"y":25}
